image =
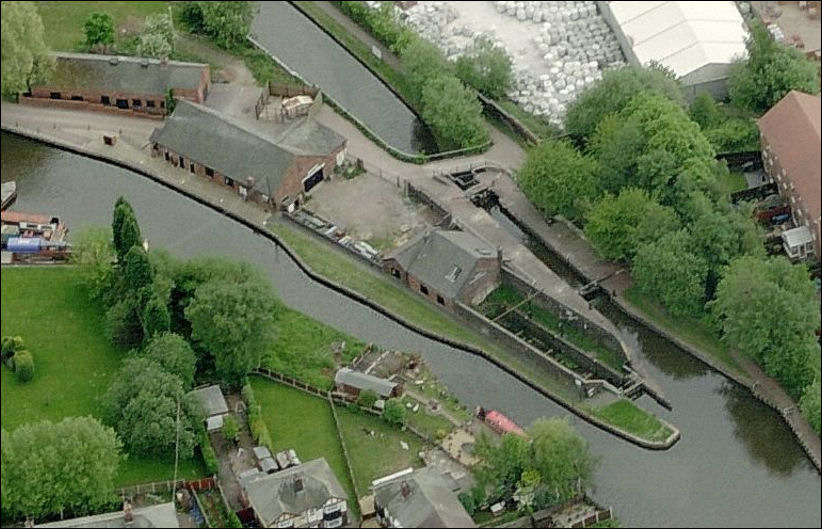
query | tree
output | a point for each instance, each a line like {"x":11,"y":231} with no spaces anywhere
{"x":394,"y":412}
{"x":141,"y":405}
{"x":93,"y":253}
{"x":228,"y":22}
{"x":64,"y":468}
{"x":231,"y":430}
{"x":137,"y":269}
{"x":10,"y":345}
{"x":617,"y":225}
{"x":123,"y":322}
{"x":171,"y":352}
{"x":734,"y":135}
{"x":99,"y":29}
{"x":25,"y":56}
{"x":155,"y":317}
{"x":124,"y":229}
{"x":171,"y":102}
{"x":423,"y":61}
{"x":235,"y":323}
{"x":191,"y":13}
{"x":767,"y":309}
{"x":500,"y":465}
{"x":809,"y":404}
{"x":558,"y":179}
{"x":453,"y":114}
{"x":157,"y":38}
{"x":486,"y":68}
{"x":561,"y":457}
{"x":616,"y":144}
{"x":670,"y":271}
{"x":770,"y":71}
{"x":705,"y":111}
{"x":23,"y":365}
{"x":367,"y":398}
{"x":613,"y":92}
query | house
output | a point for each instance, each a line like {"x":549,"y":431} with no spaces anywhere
{"x":214,"y":406}
{"x":790,"y":137}
{"x":353,"y":382}
{"x":307,"y":495}
{"x":419,"y":499}
{"x":698,"y":41}
{"x":447,"y":266}
{"x":123,"y":85}
{"x":274,"y":164}
{"x":163,"y":515}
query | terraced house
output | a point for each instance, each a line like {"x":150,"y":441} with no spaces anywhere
{"x":272,"y":164}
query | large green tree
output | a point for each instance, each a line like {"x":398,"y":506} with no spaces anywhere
{"x":63,"y":468}
{"x":157,"y":38}
{"x":486,"y":68}
{"x":810,"y":405}
{"x":453,"y":113}
{"x":617,"y":225}
{"x":141,"y":404}
{"x":228,"y":22}
{"x":669,"y":270}
{"x":768,"y":309}
{"x":423,"y":61}
{"x":124,"y":229}
{"x":173,"y":353}
{"x":559,"y":180}
{"x":613,"y":92}
{"x":93,"y":254}
{"x":770,"y":71}
{"x":99,"y":29}
{"x":235,"y":323}
{"x":25,"y":56}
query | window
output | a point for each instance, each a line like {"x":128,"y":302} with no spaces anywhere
{"x":54,"y":95}
{"x":424,"y":289}
{"x":395,"y":273}
{"x":105,"y":100}
{"x":191,"y":167}
{"x":162,"y":104}
{"x":76,"y":98}
{"x":209,"y":172}
{"x":182,"y":162}
{"x":136,"y":103}
{"x":167,"y":156}
{"x":228,"y":182}
{"x":149,"y":103}
{"x":440,"y":300}
{"x":122,"y":103}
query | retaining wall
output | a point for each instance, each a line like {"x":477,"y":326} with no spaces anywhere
{"x":341,"y":289}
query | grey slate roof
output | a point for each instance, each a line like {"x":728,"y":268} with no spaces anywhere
{"x":357,"y":379}
{"x":274,"y":494}
{"x":212,"y":400}
{"x":163,"y":515}
{"x":129,"y":74}
{"x":430,"y":502}
{"x":442,"y":259}
{"x":239,"y":149}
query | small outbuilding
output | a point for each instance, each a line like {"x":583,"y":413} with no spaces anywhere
{"x":214,"y":406}
{"x":353,"y":382}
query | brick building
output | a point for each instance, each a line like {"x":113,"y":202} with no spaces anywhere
{"x":447,"y":266}
{"x":790,"y":136}
{"x":271,"y":164}
{"x":123,"y":85}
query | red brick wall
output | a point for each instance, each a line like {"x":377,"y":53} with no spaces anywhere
{"x":770,"y":162}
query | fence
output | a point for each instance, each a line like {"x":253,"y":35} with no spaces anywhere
{"x":166,"y":486}
{"x":493,"y":108}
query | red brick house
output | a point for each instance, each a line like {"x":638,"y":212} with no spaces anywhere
{"x":790,"y":135}
{"x":123,"y":85}
{"x":271,"y":164}
{"x":447,"y":266}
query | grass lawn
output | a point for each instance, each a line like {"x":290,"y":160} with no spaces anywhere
{"x":425,"y":421}
{"x":734,"y":182}
{"x":74,"y":362}
{"x":376,"y":456}
{"x":303,"y":422}
{"x":692,"y":330}
{"x":400,"y":300}
{"x":64,"y":20}
{"x":303,"y":349}
{"x":625,"y":415}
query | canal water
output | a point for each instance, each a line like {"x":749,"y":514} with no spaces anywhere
{"x":290,"y":36}
{"x":736,"y":464}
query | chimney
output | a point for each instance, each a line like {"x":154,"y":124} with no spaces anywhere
{"x":249,"y":183}
{"x":499,"y":255}
{"x":128,"y":514}
{"x":405,"y":489}
{"x":298,"y":485}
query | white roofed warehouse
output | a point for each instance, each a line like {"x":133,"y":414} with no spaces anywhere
{"x":698,"y":41}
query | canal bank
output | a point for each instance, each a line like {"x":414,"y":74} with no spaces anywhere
{"x":737,"y":465}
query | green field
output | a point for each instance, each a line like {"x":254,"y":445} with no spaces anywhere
{"x":303,"y":349}
{"x":74,"y":362}
{"x":692,"y":330}
{"x":625,"y":415}
{"x":63,"y":21}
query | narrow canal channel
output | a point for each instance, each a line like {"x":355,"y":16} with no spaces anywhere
{"x":290,"y":36}
{"x":736,"y":465}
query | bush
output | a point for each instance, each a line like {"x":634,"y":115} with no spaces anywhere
{"x":467,"y":501}
{"x":394,"y":412}
{"x":10,"y":344}
{"x":24,"y":365}
{"x":259,"y":430}
{"x":367,"y":398}
{"x":231,"y":430}
{"x":212,"y":464}
{"x":234,"y":520}
{"x":191,"y":15}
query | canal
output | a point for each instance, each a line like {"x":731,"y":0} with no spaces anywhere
{"x":736,"y":465}
{"x":283,"y":31}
